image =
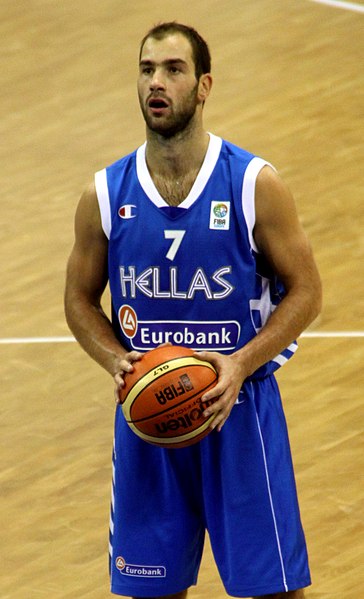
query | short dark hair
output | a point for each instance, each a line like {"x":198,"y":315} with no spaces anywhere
{"x":200,"y":50}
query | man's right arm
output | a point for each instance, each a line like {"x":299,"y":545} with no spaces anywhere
{"x":86,"y":279}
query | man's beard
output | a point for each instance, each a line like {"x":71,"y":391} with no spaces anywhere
{"x":176,"y":122}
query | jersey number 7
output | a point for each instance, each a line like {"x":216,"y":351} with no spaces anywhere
{"x":177,"y":237}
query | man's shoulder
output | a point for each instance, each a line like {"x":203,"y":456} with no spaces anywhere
{"x":236,"y":152}
{"x":122,"y":163}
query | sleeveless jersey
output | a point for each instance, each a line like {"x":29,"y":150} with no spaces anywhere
{"x":191,"y":275}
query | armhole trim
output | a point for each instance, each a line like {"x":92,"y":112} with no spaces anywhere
{"x":103,"y":198}
{"x":248,"y":195}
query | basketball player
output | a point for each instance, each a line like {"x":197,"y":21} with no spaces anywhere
{"x":202,"y":247}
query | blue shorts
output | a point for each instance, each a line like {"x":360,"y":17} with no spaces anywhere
{"x":237,"y":484}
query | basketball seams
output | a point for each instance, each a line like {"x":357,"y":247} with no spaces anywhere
{"x":174,"y":441}
{"x":148,"y":377}
{"x":169,"y":409}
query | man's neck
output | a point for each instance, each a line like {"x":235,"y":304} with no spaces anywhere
{"x":177,"y":156}
{"x":175,"y":163}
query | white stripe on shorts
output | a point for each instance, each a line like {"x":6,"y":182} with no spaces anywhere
{"x":271,"y":505}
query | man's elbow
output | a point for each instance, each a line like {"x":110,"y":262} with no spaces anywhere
{"x":315,"y":301}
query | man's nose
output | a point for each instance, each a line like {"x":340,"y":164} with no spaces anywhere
{"x":157,"y":81}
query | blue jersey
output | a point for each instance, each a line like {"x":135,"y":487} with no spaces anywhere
{"x":191,"y":275}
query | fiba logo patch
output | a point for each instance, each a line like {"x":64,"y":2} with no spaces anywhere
{"x":220,"y":210}
{"x":128,"y":321}
{"x":220,"y":216}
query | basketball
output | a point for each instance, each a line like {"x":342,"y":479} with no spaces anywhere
{"x":161,"y":399}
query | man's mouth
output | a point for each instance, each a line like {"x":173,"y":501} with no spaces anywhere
{"x":157,"y":104}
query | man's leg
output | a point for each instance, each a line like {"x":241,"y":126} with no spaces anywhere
{"x":181,"y":595}
{"x":299,"y":594}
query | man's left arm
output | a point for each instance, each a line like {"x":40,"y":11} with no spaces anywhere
{"x":278,"y":235}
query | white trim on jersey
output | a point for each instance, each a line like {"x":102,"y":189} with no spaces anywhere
{"x":263,"y":305}
{"x":208,"y":165}
{"x":281,"y":359}
{"x":111,"y":525}
{"x":248,"y":194}
{"x":102,"y":192}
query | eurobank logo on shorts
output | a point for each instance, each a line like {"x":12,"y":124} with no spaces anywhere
{"x":137,"y":570}
{"x":197,"y":335}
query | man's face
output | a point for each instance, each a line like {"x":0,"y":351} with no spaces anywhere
{"x":167,"y":85}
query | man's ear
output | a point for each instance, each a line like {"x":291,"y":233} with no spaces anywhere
{"x":204,"y":87}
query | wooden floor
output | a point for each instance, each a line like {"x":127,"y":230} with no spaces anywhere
{"x":289,"y":85}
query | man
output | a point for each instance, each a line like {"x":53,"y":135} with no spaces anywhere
{"x":200,"y":241}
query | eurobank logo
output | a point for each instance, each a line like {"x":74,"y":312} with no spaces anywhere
{"x":128,"y":321}
{"x":210,"y":335}
{"x":138,"y":570}
{"x":197,"y":335}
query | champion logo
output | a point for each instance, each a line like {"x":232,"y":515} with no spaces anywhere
{"x":128,"y":321}
{"x":127,"y":211}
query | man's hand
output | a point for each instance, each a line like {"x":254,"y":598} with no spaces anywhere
{"x":123,"y":366}
{"x":231,"y":377}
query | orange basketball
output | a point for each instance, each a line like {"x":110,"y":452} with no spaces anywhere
{"x":161,"y":399}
